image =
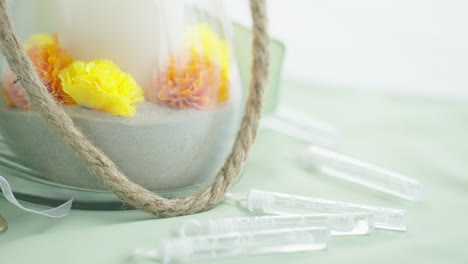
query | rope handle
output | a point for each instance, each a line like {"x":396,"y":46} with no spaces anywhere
{"x":103,"y":168}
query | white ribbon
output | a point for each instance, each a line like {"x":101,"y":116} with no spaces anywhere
{"x":61,"y":211}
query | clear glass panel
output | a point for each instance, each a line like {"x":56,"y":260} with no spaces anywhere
{"x":153,"y":83}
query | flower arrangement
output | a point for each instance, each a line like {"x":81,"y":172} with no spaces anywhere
{"x":197,"y":78}
{"x":194,"y":78}
{"x":101,"y":85}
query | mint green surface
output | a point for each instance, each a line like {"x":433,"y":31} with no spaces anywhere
{"x":243,"y":53}
{"x":422,"y":138}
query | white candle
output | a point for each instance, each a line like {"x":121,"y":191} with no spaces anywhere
{"x":136,"y":35}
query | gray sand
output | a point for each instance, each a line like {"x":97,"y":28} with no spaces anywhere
{"x":159,"y":148}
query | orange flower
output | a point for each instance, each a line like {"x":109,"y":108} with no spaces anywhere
{"x":48,"y":59}
{"x":195,"y":78}
{"x":193,"y":81}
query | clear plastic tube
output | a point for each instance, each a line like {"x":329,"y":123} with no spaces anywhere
{"x":185,"y":249}
{"x":345,"y":168}
{"x":339,"y":224}
{"x":285,"y":204}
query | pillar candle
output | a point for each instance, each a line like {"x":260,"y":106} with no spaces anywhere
{"x":136,"y":35}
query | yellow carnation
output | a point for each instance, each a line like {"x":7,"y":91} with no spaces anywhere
{"x":101,"y":85}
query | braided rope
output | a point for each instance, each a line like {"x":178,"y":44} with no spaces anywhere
{"x":103,"y":168}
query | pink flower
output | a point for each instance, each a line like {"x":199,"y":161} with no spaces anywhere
{"x":14,"y":93}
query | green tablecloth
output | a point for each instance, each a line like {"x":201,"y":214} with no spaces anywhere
{"x":422,"y":138}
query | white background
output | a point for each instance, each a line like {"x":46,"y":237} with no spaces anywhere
{"x":415,"y":46}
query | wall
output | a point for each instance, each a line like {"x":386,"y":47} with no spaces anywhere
{"x":415,"y":46}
